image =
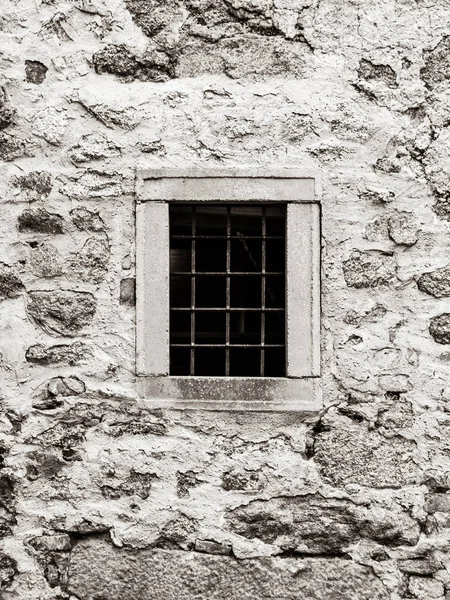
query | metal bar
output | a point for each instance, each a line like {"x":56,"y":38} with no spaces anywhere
{"x":192,"y":353}
{"x":225,"y":346}
{"x":263,"y":290}
{"x":230,"y":309}
{"x":227,"y":237}
{"x":225,"y":274}
{"x":228,"y":295}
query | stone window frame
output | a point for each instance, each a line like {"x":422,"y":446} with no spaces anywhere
{"x":300,"y":190}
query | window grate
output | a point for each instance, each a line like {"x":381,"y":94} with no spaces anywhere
{"x":227,"y":289}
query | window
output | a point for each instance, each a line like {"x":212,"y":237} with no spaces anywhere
{"x":228,"y":299}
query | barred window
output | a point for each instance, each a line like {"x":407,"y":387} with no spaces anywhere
{"x":227,"y":290}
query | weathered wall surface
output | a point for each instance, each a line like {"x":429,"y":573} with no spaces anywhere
{"x":103,"y":498}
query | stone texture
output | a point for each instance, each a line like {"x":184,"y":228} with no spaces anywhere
{"x":355,"y":455}
{"x":8,"y":570}
{"x":35,"y":185}
{"x":63,"y":354}
{"x":355,"y":92}
{"x":50,"y":124}
{"x":368,"y":269}
{"x":244,"y":56}
{"x":97,"y":568}
{"x":45,"y":261}
{"x":10,"y":283}
{"x":93,"y":146}
{"x":65,"y":312}
{"x":440,"y":328}
{"x":210,"y":547}
{"x":7,"y":113}
{"x":423,"y":587}
{"x":12,"y":147}
{"x":35,"y":71}
{"x":136,"y":484}
{"x":312,"y":524}
{"x":91,"y":262}
{"x":128,"y":291}
{"x":94,"y":184}
{"x":437,"y":63}
{"x":403,"y":229}
{"x":374,"y":72}
{"x":39,"y":220}
{"x":436,"y":283}
{"x":87,"y":220}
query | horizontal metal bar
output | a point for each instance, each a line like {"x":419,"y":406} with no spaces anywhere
{"x":240,"y":309}
{"x":231,"y":345}
{"x":227,"y":237}
{"x":232,"y":273}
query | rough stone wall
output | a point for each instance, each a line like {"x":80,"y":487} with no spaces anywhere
{"x":101,"y":498}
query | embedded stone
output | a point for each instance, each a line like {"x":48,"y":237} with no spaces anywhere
{"x":87,"y":220}
{"x":436,"y":283}
{"x":10,"y":284}
{"x":442,"y":206}
{"x":355,"y":455}
{"x":94,"y":184}
{"x":65,"y":312}
{"x":395,"y":383}
{"x":185,"y":481}
{"x":8,"y":570}
{"x":6,"y":112}
{"x":419,"y":566}
{"x":243,"y":56}
{"x":35,"y":71}
{"x":436,"y":163}
{"x":152,"y":16}
{"x":91,"y":262}
{"x":210,"y":547}
{"x":437,"y":502}
{"x":50,"y":124}
{"x":425,"y":587}
{"x":65,"y":386}
{"x":55,"y":386}
{"x":47,"y":402}
{"x":115,"y":59}
{"x":312,"y":524}
{"x":64,"y":354}
{"x":59,"y":542}
{"x":377,"y":196}
{"x":12,"y":147}
{"x":137,"y":428}
{"x":93,"y":146}
{"x":402,"y":228}
{"x":372,"y":72}
{"x":440,"y":328}
{"x":137,"y":484}
{"x":37,"y":185}
{"x":437,"y":63}
{"x":45,"y":261}
{"x":128,"y":291}
{"x":39,"y":220}
{"x":242,"y":480}
{"x":98,"y":569}
{"x":366,"y":269}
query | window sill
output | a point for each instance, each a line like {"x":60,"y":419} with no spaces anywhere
{"x":260,"y":394}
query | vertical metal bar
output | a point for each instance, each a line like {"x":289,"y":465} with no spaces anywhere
{"x":228,"y":295}
{"x":193,"y":250}
{"x":263,"y":291}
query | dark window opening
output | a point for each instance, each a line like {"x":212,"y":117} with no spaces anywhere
{"x":227,"y":290}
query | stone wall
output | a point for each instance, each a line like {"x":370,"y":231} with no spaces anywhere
{"x":101,"y":497}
